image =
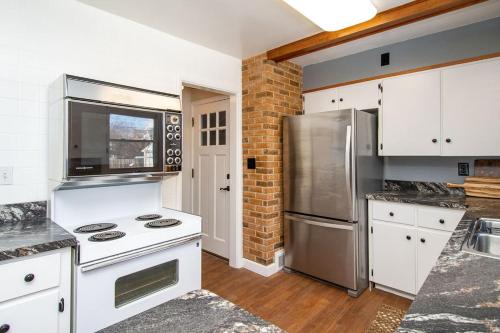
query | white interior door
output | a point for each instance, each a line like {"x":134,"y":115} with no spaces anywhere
{"x":211,"y":174}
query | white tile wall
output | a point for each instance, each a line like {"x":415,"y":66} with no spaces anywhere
{"x":41,"y":40}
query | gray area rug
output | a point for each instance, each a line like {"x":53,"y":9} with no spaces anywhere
{"x":198,"y":311}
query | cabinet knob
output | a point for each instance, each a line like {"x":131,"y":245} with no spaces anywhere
{"x":4,"y":328}
{"x":408,"y":237}
{"x":448,"y":140}
{"x":333,"y":101}
{"x":441,"y":221}
{"x":391,"y":214}
{"x":29,"y":277}
{"x":422,"y":240}
{"x":434,"y":140}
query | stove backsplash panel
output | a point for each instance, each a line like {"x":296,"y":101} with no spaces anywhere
{"x":23,"y":211}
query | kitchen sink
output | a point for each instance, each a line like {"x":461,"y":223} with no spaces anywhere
{"x":483,"y":238}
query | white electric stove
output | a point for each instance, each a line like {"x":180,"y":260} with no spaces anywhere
{"x":132,"y":255}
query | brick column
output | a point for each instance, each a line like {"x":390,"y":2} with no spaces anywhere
{"x":270,"y":90}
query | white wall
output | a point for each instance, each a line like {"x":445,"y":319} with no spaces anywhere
{"x":41,"y":39}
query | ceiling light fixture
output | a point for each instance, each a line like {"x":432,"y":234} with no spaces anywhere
{"x":333,"y":15}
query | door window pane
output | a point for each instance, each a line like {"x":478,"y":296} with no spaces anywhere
{"x":213,"y":120}
{"x":203,"y":121}
{"x":203,"y":138}
{"x":137,"y":285}
{"x":222,"y":137}
{"x":222,"y":118}
{"x":213,"y":138}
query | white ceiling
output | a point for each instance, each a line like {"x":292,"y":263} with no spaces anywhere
{"x":243,"y":28}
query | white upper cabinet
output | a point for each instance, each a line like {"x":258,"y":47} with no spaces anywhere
{"x":359,"y":96}
{"x":471,"y":109}
{"x":410,"y":121}
{"x":321,"y":101}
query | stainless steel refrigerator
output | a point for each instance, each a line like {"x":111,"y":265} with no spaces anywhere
{"x":330,"y":162}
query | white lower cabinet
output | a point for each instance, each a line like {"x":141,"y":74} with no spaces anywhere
{"x":405,"y":246}
{"x":36,"y":293}
{"x":430,"y":244}
{"x":395,"y":268}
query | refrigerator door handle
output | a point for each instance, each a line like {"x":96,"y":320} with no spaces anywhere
{"x":319,"y":224}
{"x":348,"y":145}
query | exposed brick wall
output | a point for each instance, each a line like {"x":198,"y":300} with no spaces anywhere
{"x":270,"y":90}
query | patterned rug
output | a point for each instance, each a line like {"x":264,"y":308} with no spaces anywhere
{"x":387,"y":320}
{"x":199,"y":311}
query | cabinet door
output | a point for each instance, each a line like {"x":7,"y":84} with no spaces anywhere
{"x":33,"y":313}
{"x":430,"y":245}
{"x":359,"y":96}
{"x":394,"y":256}
{"x":320,"y":101}
{"x":471,"y":109}
{"x":411,"y":119}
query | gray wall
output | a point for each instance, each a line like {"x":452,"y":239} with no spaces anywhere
{"x":469,"y":41}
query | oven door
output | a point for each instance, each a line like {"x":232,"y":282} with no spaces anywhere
{"x":117,"y":288}
{"x":110,"y":140}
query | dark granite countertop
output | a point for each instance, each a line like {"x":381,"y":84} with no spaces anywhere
{"x":19,"y":238}
{"x":198,"y":311}
{"x":462,"y":292}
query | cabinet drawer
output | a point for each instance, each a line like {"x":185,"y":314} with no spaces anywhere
{"x":34,"y":313}
{"x":439,"y":218}
{"x":30,"y":275}
{"x":393,"y":212}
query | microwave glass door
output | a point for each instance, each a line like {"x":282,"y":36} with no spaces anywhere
{"x":111,"y":140}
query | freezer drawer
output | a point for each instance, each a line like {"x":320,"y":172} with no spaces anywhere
{"x":323,"y":248}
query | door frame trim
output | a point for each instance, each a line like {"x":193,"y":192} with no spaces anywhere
{"x":235,"y":166}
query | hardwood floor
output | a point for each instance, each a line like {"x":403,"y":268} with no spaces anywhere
{"x":293,"y":302}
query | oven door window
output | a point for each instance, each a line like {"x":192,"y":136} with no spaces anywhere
{"x":137,"y":285}
{"x":111,"y":140}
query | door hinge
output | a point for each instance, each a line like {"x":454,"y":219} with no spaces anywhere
{"x":371,"y":230}
{"x":192,"y":121}
{"x":372,"y":272}
{"x":379,"y":102}
{"x":228,"y":176}
{"x":61,"y":305}
{"x":381,"y":146}
{"x":192,"y":173}
{"x":381,"y":87}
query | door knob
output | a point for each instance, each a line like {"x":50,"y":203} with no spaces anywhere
{"x":29,"y":277}
{"x":224,"y":188}
{"x":4,"y":328}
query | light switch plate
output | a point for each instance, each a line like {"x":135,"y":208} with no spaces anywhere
{"x":6,"y":175}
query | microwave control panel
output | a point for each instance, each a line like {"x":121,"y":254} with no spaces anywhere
{"x":173,"y":142}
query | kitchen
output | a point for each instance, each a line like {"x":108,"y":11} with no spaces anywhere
{"x":119,"y":60}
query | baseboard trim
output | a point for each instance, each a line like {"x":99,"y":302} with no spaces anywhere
{"x":395,"y":291}
{"x":263,"y":269}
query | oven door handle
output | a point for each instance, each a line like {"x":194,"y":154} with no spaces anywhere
{"x":138,"y":253}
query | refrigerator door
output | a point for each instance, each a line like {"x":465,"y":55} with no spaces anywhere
{"x":325,"y":249}
{"x":318,"y":163}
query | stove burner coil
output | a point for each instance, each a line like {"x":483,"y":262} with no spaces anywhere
{"x":148,"y":217}
{"x":96,"y":227}
{"x":163,"y":223}
{"x":106,"y":236}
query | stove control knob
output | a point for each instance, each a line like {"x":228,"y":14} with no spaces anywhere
{"x":177,"y":136}
{"x":170,"y":152}
{"x":170,"y":160}
{"x":170,"y":128}
{"x":177,"y":152}
{"x":178,"y":160}
{"x":170,"y":136}
{"x":177,"y":128}
{"x":174,"y":119}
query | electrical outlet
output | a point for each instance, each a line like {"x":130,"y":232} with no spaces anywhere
{"x":463,"y":169}
{"x":6,"y":175}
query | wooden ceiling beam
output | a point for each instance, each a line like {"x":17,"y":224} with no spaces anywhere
{"x":395,"y":17}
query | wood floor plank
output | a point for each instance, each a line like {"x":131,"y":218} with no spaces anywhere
{"x":294,"y":302}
